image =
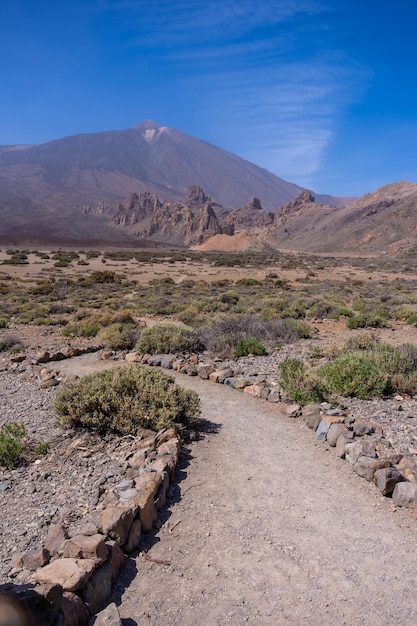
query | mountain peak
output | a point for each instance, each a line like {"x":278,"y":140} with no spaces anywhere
{"x":150,"y":129}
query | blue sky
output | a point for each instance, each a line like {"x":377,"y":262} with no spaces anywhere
{"x":321,"y":92}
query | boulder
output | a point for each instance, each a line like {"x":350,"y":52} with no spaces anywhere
{"x":366,"y":466}
{"x":134,"y":537}
{"x":274,"y":396}
{"x":254,"y":390}
{"x":362,"y":427}
{"x":386,"y":478}
{"x":359,"y":448}
{"x":133,"y":357}
{"x":311,"y":415}
{"x":33,"y":559}
{"x":341,"y":442}
{"x":204,"y":370}
{"x":116,"y":521}
{"x":322,"y":430}
{"x":108,"y":617}
{"x":73,"y":610}
{"x":167,"y":361}
{"x":287,"y":410}
{"x":98,"y":588}
{"x":86,"y":547}
{"x":115,"y":557}
{"x":43,"y":357}
{"x":21,"y":605}
{"x":155,"y":360}
{"x":70,"y":574}
{"x":219,"y":376}
{"x":405,"y":494}
{"x":335,"y":431}
{"x":147,"y":485}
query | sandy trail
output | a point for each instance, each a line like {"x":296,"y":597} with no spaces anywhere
{"x":270,"y":528}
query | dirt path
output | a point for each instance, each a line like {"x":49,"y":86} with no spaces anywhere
{"x":271,"y":529}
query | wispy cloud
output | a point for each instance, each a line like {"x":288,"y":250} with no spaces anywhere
{"x":252,"y":72}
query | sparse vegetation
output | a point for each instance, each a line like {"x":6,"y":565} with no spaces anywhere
{"x":11,"y":443}
{"x":163,"y":338}
{"x":124,"y":400}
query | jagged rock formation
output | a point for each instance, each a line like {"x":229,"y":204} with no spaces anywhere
{"x":188,"y":222}
{"x":249,"y":216}
{"x":303,"y":201}
{"x":101,"y":209}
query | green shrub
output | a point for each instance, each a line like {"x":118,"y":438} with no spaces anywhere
{"x":11,"y":343}
{"x":298,"y":382}
{"x":363,"y":341}
{"x":118,"y":336}
{"x":11,"y":443}
{"x":303,"y":330}
{"x":249,"y":345}
{"x":126,"y":399}
{"x":167,"y":338}
{"x":354,"y":374}
{"x":366,"y":320}
{"x":412,"y":320}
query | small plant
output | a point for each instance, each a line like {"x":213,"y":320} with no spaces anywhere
{"x":249,"y":345}
{"x":167,"y":338}
{"x":118,"y":336}
{"x":10,"y":343}
{"x":11,"y":443}
{"x":297,"y":381}
{"x":355,"y":374}
{"x":124,"y":400}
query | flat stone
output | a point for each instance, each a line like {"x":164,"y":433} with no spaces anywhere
{"x":219,"y":376}
{"x":108,"y":617}
{"x":133,"y":357}
{"x":71,"y":574}
{"x":287,"y":410}
{"x":254,"y":390}
{"x":86,"y":547}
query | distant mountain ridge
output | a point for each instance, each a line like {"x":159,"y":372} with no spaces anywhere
{"x":44,"y":186}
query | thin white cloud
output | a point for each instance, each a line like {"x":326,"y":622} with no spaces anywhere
{"x":244,"y":69}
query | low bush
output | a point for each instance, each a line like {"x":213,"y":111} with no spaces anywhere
{"x":126,"y":399}
{"x":298,"y":382}
{"x":10,"y":343}
{"x":11,"y":443}
{"x":168,"y":338}
{"x":119,"y":336}
{"x":249,"y":345}
{"x":354,"y":374}
{"x":366,"y":320}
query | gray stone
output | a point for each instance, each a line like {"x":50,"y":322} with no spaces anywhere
{"x":191,"y":369}
{"x":405,"y":494}
{"x":155,"y":360}
{"x":359,"y":448}
{"x":128,"y":494}
{"x":167,"y":361}
{"x":334,"y":433}
{"x":98,"y":588}
{"x":274,"y":396}
{"x":115,"y":522}
{"x":4,"y":486}
{"x":386,"y":479}
{"x":108,"y":617}
{"x":124,"y":484}
{"x":311,"y":415}
{"x":322,"y":430}
{"x":361,"y":428}
{"x":366,"y":467}
{"x":205,"y":369}
{"x":33,"y":559}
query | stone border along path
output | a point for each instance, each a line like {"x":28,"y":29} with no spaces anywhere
{"x":255,"y":505}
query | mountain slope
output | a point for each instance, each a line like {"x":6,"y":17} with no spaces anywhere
{"x":46,"y":185}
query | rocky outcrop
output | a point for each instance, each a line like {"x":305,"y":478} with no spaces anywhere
{"x":249,"y":216}
{"x":137,"y":207}
{"x":190,"y":221}
{"x":304,"y":200}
